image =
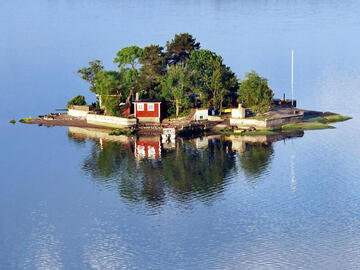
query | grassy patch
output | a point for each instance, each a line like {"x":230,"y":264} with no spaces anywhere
{"x":12,"y":121}
{"x":225,"y":131}
{"x":245,"y":132}
{"x":328,"y":119}
{"x":336,"y":118}
{"x":260,"y":132}
{"x":119,"y":131}
{"x":26,"y":120}
{"x":321,"y":120}
{"x":305,"y":126}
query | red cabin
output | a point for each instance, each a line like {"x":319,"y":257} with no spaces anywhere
{"x":147,"y":111}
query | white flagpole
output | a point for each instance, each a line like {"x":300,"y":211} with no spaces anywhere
{"x":292,"y":77}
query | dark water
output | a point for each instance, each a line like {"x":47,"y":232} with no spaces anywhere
{"x":72,"y":199}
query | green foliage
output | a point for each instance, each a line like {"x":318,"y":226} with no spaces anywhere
{"x":109,"y":87}
{"x":179,"y":49}
{"x":153,"y":67}
{"x":26,"y":120}
{"x":77,"y":100}
{"x":128,"y":56}
{"x":89,"y":74}
{"x":254,"y":92}
{"x":184,"y":76}
{"x":305,"y":126}
{"x":216,"y":83}
{"x":108,"y":83}
{"x":111,"y":105}
{"x":12,"y":121}
{"x":95,"y":106}
{"x":336,"y":118}
{"x":119,"y":131}
{"x":128,"y":59}
{"x":175,"y":88}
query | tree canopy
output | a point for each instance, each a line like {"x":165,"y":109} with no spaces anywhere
{"x":89,"y":74}
{"x":175,"y":76}
{"x":254,"y":92}
{"x":213,"y":80}
{"x":179,"y":49}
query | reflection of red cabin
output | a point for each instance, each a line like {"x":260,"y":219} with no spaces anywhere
{"x":147,"y":111}
{"x":148,"y":147}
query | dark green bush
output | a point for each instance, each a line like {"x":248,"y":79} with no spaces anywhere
{"x":77,"y":100}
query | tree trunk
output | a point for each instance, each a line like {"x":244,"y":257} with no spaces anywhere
{"x":221,"y":102}
{"x":177,"y":107}
{"x":130,"y":96}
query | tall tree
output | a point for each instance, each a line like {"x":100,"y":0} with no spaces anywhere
{"x":111,"y":91}
{"x":175,"y":87}
{"x":128,"y":60}
{"x":223,"y":84}
{"x":153,"y":67}
{"x":128,"y":57}
{"x":254,"y":92}
{"x":214,"y":80}
{"x":89,"y":74}
{"x":179,"y":49}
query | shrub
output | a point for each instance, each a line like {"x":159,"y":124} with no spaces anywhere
{"x":111,"y":105}
{"x":119,"y":131}
{"x":77,"y":100}
{"x":254,"y":92}
{"x":26,"y":120}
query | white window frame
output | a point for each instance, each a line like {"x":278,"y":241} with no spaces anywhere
{"x":151,"y":107}
{"x":140,"y":107}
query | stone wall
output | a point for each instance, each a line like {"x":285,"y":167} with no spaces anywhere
{"x":78,"y":111}
{"x":278,"y":122}
{"x":110,"y":121}
{"x":266,"y":123}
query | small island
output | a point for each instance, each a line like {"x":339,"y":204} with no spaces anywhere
{"x":183,"y":90}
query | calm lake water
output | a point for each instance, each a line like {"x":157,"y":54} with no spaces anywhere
{"x":73,"y":199}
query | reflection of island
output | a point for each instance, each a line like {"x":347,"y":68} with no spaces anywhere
{"x":255,"y":152}
{"x":145,"y":169}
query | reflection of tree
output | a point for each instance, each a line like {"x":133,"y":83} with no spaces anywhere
{"x":256,"y":158}
{"x":114,"y":165}
{"x":184,"y":172}
{"x":198,"y":172}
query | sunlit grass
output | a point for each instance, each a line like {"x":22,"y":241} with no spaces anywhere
{"x":26,"y":120}
{"x":306,"y":126}
{"x":336,"y":118}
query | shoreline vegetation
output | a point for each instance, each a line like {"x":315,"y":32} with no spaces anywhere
{"x":183,"y":77}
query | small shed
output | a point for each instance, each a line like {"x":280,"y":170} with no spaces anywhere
{"x":239,"y":112}
{"x":201,"y":114}
{"x":147,"y":111}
